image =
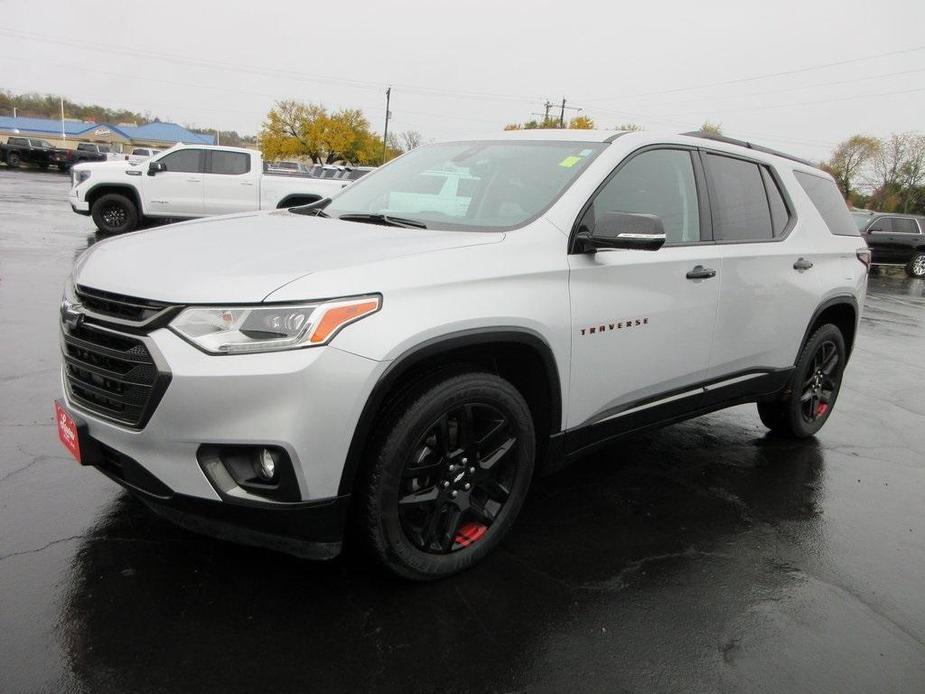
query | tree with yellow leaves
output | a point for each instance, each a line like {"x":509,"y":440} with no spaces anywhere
{"x":294,"y":130}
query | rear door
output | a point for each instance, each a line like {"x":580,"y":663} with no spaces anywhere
{"x":768,"y":289}
{"x":892,"y":239}
{"x":178,"y":191}
{"x":230,"y":183}
{"x":641,"y":328}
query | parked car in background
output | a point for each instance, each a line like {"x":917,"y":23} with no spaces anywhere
{"x":94,"y":148}
{"x":405,"y":364}
{"x":287,"y":167}
{"x":185,"y":182}
{"x":894,"y":239}
{"x":140,"y":154}
{"x":26,"y":150}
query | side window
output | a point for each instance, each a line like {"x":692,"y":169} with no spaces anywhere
{"x":884,"y":224}
{"x":780,"y":215}
{"x":740,"y":205}
{"x":659,"y":182}
{"x":828,"y":200}
{"x":83,"y":147}
{"x":230,"y":163}
{"x":184,"y":161}
{"x":902,"y":225}
{"x":19,"y":141}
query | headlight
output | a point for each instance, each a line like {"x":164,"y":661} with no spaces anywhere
{"x":78,"y":177}
{"x":269,"y":328}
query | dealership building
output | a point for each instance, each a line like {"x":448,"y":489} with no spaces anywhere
{"x":121,"y":137}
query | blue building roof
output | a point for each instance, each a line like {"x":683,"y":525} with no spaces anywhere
{"x":158,"y":132}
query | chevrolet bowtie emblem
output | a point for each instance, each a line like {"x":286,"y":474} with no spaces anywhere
{"x":71,"y":315}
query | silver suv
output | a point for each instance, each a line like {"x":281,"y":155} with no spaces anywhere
{"x":406,"y":356}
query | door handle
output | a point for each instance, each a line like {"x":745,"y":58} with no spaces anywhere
{"x":802,"y":264}
{"x":701,"y":273}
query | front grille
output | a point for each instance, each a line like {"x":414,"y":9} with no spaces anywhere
{"x":111,"y":374}
{"x":126,"y":308}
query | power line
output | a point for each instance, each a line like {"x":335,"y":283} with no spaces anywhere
{"x":782,"y":73}
{"x":263,"y":71}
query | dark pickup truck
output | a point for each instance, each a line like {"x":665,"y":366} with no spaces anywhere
{"x":30,"y":150}
{"x":894,"y":239}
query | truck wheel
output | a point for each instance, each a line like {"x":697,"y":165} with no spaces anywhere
{"x":813,"y":387}
{"x":452,"y":464}
{"x":43,"y":166}
{"x":13,"y":160}
{"x":916,"y":266}
{"x":114,"y":213}
{"x":64,"y":167}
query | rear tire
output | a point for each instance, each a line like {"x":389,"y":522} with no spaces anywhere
{"x":114,"y":213}
{"x":813,"y":389}
{"x":916,"y":266}
{"x":13,"y":160}
{"x":453,"y":460}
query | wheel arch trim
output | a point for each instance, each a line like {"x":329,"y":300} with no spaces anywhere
{"x":104,"y":188}
{"x":840,"y":299}
{"x":433,"y":347}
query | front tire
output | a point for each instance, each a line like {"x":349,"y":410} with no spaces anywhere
{"x":114,"y":214}
{"x":453,"y":462}
{"x":813,"y":389}
{"x":916,"y":266}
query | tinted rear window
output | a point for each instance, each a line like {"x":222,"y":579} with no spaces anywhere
{"x":740,"y":207}
{"x":829,"y":202}
{"x":904,"y":225}
{"x":230,"y":163}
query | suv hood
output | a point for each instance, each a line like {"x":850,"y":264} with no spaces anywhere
{"x":244,"y":258}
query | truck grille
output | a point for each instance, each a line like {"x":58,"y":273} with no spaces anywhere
{"x":109,"y":372}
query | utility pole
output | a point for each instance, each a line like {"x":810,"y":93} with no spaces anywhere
{"x":388,"y":114}
{"x":562,"y":114}
{"x":63,"y":136}
{"x":14,"y":112}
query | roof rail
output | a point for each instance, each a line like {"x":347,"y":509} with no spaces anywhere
{"x":748,"y":145}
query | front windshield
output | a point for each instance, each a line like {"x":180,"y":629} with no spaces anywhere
{"x":861,"y":219}
{"x":489,"y":185}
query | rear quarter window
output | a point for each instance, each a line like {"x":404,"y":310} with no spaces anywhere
{"x":828,"y":200}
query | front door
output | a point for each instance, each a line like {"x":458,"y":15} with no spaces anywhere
{"x":641,"y":329}
{"x":177,"y":191}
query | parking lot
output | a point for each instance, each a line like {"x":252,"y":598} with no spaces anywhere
{"x":707,"y":556}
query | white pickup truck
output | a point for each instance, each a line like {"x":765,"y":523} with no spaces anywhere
{"x":185,"y":182}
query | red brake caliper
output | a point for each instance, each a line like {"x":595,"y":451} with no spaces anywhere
{"x":469,"y":533}
{"x":822,"y":408}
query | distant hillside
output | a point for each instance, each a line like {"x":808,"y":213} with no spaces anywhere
{"x":49,"y":106}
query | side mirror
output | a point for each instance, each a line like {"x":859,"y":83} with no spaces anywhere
{"x":641,"y":232}
{"x":156,"y":166}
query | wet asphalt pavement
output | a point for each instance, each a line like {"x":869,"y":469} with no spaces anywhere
{"x":707,"y":556}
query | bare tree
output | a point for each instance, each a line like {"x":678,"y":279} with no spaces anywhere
{"x":849,"y":159}
{"x":411,"y":139}
{"x":897,"y":171}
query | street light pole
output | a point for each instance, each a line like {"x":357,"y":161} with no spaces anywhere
{"x":63,"y":136}
{"x":385,"y":134}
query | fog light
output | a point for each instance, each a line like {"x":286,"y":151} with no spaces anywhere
{"x":266,"y":464}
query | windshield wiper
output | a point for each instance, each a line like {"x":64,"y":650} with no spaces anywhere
{"x":384,"y":219}
{"x":312,"y":209}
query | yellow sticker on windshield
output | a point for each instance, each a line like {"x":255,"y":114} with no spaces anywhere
{"x":569,"y":162}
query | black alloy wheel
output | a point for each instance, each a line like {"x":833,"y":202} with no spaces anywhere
{"x":801,"y":409}
{"x":448,"y":470}
{"x":114,"y":213}
{"x":820,"y":385}
{"x":458,"y":478}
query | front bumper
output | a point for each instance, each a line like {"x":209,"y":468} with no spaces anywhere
{"x":78,"y":204}
{"x":306,"y":402}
